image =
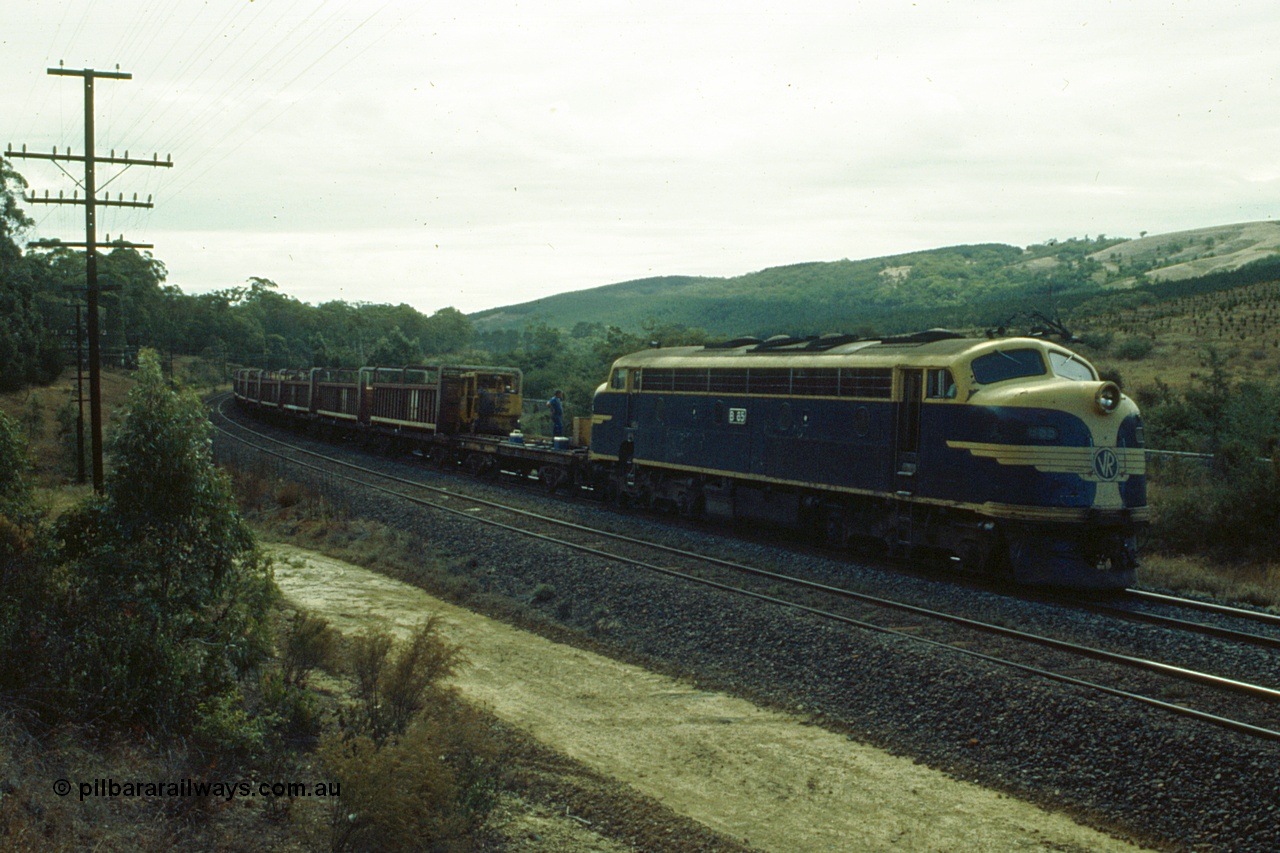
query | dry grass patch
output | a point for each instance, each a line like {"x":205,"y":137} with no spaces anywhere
{"x":285,"y":512}
{"x":1250,"y":583}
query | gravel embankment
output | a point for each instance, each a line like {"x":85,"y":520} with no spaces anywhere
{"x":1161,"y":780}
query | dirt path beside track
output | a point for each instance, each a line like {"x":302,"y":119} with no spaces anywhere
{"x":754,"y":775}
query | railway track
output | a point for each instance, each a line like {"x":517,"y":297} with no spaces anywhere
{"x":1263,"y":617}
{"x":1207,"y":697}
{"x":1130,"y":608}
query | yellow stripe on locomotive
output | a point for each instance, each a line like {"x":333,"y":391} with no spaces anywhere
{"x":970,"y":446}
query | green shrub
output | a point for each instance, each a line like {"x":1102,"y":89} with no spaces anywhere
{"x":290,"y":494}
{"x":393,"y":688}
{"x":156,"y":597}
{"x":1231,"y":511}
{"x":15,"y":488}
{"x":429,"y":789}
{"x":419,"y":769}
{"x":289,"y":710}
{"x":30,"y":587}
{"x":1099,"y":341}
{"x":308,"y":643}
{"x":223,"y":726}
{"x":1133,"y":348}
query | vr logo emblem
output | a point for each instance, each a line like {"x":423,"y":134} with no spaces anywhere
{"x":1106,"y":464}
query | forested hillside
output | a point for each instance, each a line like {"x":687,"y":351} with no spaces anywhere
{"x":1106,"y":287}
{"x":959,"y":286}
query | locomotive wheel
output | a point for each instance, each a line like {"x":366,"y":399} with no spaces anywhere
{"x":834,"y":529}
{"x":552,"y":477}
{"x":479,"y":465}
{"x":973,"y":557}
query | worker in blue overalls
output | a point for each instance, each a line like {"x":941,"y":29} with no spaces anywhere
{"x":556,"y":405}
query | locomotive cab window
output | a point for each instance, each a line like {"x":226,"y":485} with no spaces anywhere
{"x":1071,"y":366}
{"x":1001,"y":365}
{"x":941,"y":385}
{"x":619,"y":381}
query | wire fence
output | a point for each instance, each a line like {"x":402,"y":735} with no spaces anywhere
{"x":265,"y":470}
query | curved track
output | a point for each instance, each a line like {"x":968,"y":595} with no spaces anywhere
{"x":961,"y":634}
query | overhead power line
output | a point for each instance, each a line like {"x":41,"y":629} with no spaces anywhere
{"x":90,"y":202}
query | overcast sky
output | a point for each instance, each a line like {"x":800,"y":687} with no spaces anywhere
{"x":484,"y":153}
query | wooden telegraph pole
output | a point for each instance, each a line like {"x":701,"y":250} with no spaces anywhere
{"x":90,"y":244}
{"x":79,"y":397}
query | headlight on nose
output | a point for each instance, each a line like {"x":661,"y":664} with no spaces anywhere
{"x":1107,"y":397}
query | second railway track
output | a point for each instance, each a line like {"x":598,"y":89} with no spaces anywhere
{"x":1179,"y":783}
{"x":1216,"y":699}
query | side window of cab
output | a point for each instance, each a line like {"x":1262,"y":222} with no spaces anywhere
{"x":941,"y":385}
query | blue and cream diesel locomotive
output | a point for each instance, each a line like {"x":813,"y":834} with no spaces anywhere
{"x":1008,"y":455}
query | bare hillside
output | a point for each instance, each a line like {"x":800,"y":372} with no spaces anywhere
{"x":1187,"y":254}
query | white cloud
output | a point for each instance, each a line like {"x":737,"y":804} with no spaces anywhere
{"x":481,"y":154}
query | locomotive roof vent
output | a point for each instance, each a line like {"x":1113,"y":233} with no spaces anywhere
{"x":821,"y":343}
{"x":926,"y":337}
{"x":832,"y":341}
{"x":734,"y":343}
{"x":780,"y":341}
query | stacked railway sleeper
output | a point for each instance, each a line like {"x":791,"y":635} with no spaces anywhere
{"x":1030,"y":696}
{"x":449,"y":415}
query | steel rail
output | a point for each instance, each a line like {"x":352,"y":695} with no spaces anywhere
{"x":1256,"y":691}
{"x":1207,"y":606}
{"x":1168,"y":670}
{"x":1219,"y":631}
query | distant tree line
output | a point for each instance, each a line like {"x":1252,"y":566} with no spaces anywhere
{"x":566,"y":340}
{"x":251,"y":324}
{"x":254,"y":324}
{"x":29,"y":349}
